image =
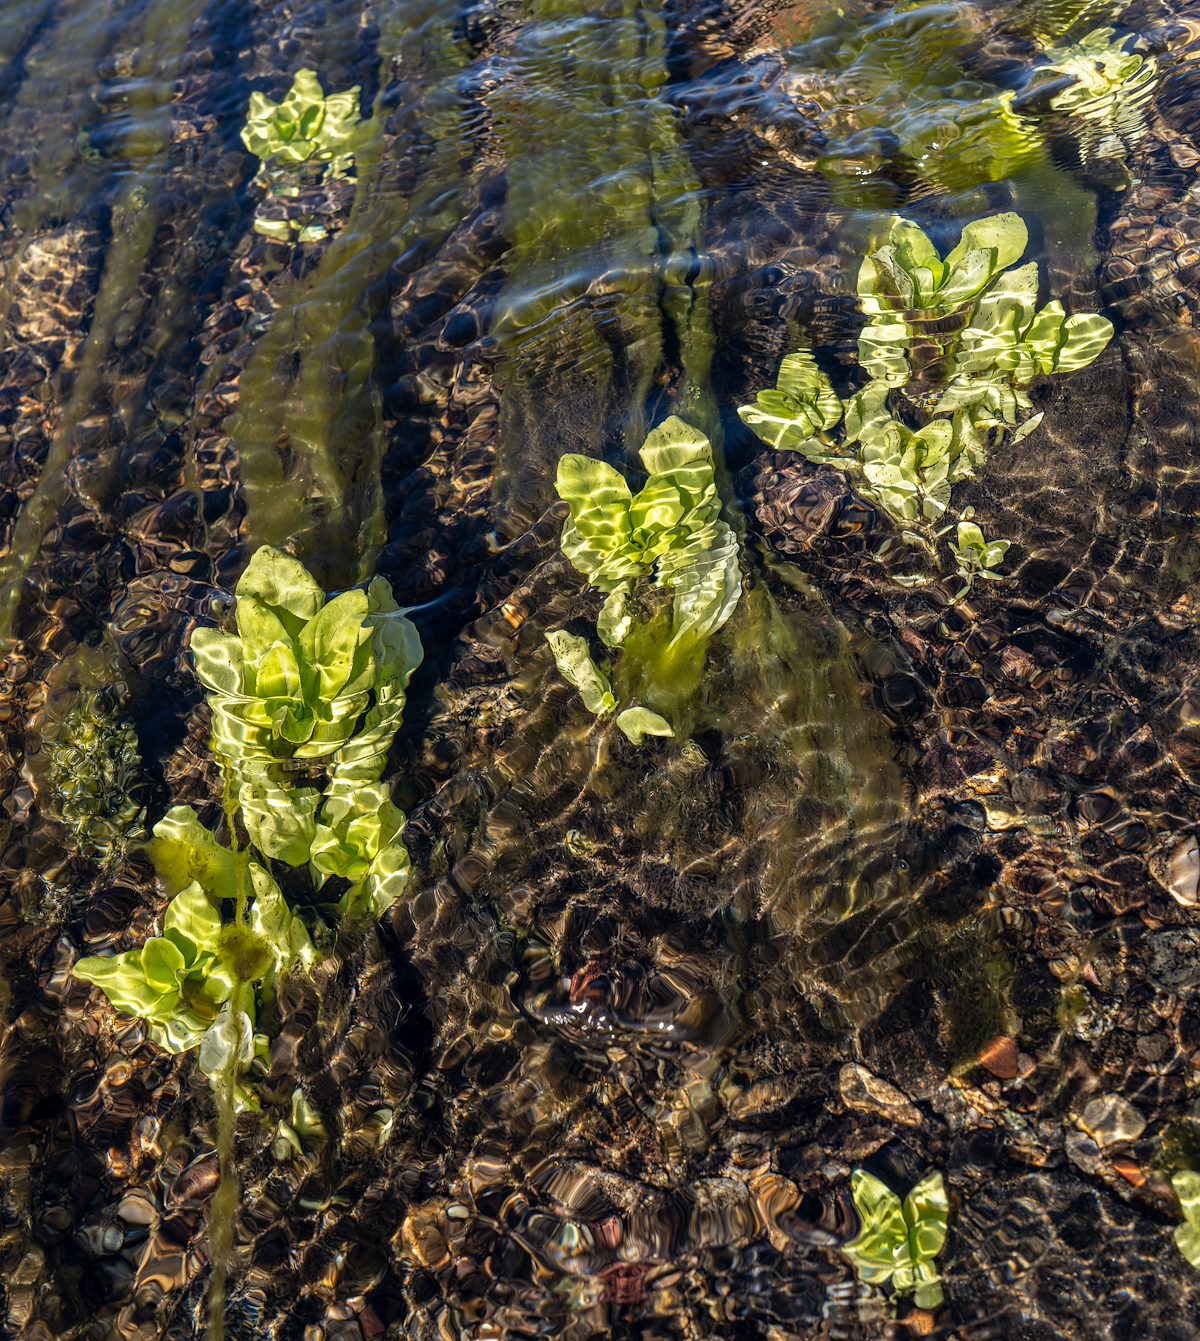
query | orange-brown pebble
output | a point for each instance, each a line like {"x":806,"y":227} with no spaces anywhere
{"x":1130,"y":1171}
{"x":1000,"y":1058}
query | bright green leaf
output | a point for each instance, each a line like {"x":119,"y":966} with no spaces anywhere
{"x":637,"y":723}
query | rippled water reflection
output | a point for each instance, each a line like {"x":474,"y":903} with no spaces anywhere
{"x":918,"y":883}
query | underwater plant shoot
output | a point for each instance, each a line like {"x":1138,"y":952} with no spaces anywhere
{"x":599,"y":670}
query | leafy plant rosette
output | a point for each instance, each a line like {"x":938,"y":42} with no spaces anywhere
{"x":306,"y":686}
{"x":898,"y":1241}
{"x":199,"y":984}
{"x":301,"y":141}
{"x":951,"y":345}
{"x":305,"y":128}
{"x":668,"y":537}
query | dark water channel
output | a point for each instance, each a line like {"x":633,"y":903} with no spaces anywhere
{"x":916,"y":886}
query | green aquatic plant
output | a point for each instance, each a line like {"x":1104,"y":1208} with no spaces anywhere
{"x":667,"y":537}
{"x":670,"y":529}
{"x":1187,"y":1235}
{"x":305,"y":688}
{"x":94,"y":775}
{"x":916,"y":302}
{"x":899,"y":1240}
{"x":1009,"y":343}
{"x":295,"y":677}
{"x":1107,"y":79}
{"x":799,"y":412}
{"x":199,"y":983}
{"x":305,"y":127}
{"x":974,"y":556}
{"x":952,"y":345}
{"x":306,"y":684}
{"x":301,"y":141}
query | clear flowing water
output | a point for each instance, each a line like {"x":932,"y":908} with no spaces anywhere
{"x":914,"y":885}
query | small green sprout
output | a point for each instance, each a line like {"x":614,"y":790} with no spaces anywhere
{"x":302,"y":1132}
{"x":898,"y":1241}
{"x":1187,"y":1235}
{"x":305,"y":127}
{"x":974,"y":556}
{"x":668,"y":536}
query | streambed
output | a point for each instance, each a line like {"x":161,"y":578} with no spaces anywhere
{"x":913,"y":887}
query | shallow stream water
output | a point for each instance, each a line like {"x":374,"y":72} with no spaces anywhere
{"x":914,"y":886}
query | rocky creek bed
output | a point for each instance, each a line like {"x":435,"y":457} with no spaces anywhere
{"x":920,"y":889}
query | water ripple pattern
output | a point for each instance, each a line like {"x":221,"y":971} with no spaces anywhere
{"x":916,"y":884}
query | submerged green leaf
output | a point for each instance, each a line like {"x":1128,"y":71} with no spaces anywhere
{"x":575,"y":665}
{"x":796,"y":414}
{"x":637,"y":723}
{"x":1187,"y":1235}
{"x":183,"y":851}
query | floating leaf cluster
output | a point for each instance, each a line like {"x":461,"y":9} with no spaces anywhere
{"x":898,"y":1241}
{"x":952,"y":345}
{"x":668,"y":537}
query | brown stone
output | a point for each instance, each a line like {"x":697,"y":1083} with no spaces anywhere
{"x":1000,"y":1058}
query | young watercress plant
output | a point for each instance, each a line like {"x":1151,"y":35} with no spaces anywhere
{"x":951,"y":345}
{"x":898,"y":1240}
{"x":669,"y":536}
{"x":305,"y":127}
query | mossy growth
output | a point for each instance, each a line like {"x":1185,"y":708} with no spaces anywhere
{"x":94,"y":776}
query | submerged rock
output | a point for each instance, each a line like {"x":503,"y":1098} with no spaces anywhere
{"x":866,"y":1093}
{"x":1111,"y":1120}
